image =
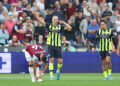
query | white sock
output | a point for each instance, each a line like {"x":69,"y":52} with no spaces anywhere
{"x":37,"y":72}
{"x":31,"y":72}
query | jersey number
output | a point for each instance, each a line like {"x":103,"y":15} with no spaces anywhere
{"x":36,"y":47}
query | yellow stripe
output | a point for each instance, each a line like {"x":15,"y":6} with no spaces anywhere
{"x":110,"y":44}
{"x":56,"y":34}
{"x":49,"y":37}
{"x":106,"y":41}
{"x":59,"y":27}
{"x":59,"y":41}
{"x":100,"y":41}
{"x":52,"y":36}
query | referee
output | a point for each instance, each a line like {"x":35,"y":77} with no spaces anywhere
{"x":54,"y":42}
{"x":105,"y":35}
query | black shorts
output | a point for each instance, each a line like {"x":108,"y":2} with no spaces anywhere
{"x":103,"y":54}
{"x":55,"y":52}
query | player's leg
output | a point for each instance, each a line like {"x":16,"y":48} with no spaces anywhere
{"x":104,"y":68}
{"x":59,"y":66}
{"x":30,"y":63}
{"x":58,"y":54}
{"x":38,"y":73}
{"x":51,"y":61}
{"x":51,"y":67}
{"x":31,"y":70}
{"x":109,"y":65}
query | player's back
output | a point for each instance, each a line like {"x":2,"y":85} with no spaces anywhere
{"x":37,"y":50}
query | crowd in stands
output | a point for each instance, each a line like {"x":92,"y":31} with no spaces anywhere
{"x":18,"y":23}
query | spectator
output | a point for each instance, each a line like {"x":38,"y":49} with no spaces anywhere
{"x":92,"y":4}
{"x":92,"y":30}
{"x":70,"y":10}
{"x":109,"y":23}
{"x":40,"y":40}
{"x":41,"y":11}
{"x":10,"y":24}
{"x":19,"y":8}
{"x":28,"y":21}
{"x":79,"y":6}
{"x":19,"y":30}
{"x":66,"y":45}
{"x":4,"y":35}
{"x":6,"y":4}
{"x":107,"y":11}
{"x":39,"y":30}
{"x":56,"y":3}
{"x":98,"y":1}
{"x":48,"y":17}
{"x":2,"y":8}
{"x":70,"y":35}
{"x":24,"y":15}
{"x":98,"y":20}
{"x":13,"y":2}
{"x":84,"y":29}
{"x":63,"y":6}
{"x":78,"y":20}
{"x":58,"y":12}
{"x":34,"y":22}
{"x":41,"y":4}
{"x":3,"y":16}
{"x":113,"y":18}
{"x":34,"y":7}
{"x":14,"y":42}
{"x":118,"y":29}
{"x":28,"y":10}
{"x":24,"y":3}
{"x":15,"y":13}
{"x":100,"y":9}
{"x":72,"y":18}
{"x":28,"y":34}
{"x":85,"y":8}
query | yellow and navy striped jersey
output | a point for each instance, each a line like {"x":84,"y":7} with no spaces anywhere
{"x":105,"y":37}
{"x":54,"y":34}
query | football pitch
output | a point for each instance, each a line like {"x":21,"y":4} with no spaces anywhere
{"x":67,"y":79}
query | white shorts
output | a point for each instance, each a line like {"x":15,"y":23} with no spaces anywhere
{"x":29,"y":58}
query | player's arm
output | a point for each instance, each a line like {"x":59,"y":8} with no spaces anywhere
{"x":45,"y":68}
{"x":38,"y":18}
{"x":115,"y":41}
{"x":67,"y":26}
{"x":95,"y":42}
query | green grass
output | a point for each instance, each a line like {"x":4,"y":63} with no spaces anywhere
{"x":78,"y":79}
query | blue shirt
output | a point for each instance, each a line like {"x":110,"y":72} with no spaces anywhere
{"x":91,"y":27}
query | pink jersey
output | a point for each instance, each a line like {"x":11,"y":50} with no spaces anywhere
{"x":35,"y":50}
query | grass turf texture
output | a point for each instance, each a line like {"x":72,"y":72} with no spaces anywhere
{"x":78,"y":79}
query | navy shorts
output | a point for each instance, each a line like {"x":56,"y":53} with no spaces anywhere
{"x":103,"y":54}
{"x":55,"y":52}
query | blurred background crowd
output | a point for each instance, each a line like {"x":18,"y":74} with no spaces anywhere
{"x":18,"y":23}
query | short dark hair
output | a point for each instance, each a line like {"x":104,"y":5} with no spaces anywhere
{"x":103,"y":21}
{"x":44,"y":58}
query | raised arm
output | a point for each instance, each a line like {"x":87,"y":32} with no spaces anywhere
{"x":67,"y":26}
{"x":38,"y":18}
